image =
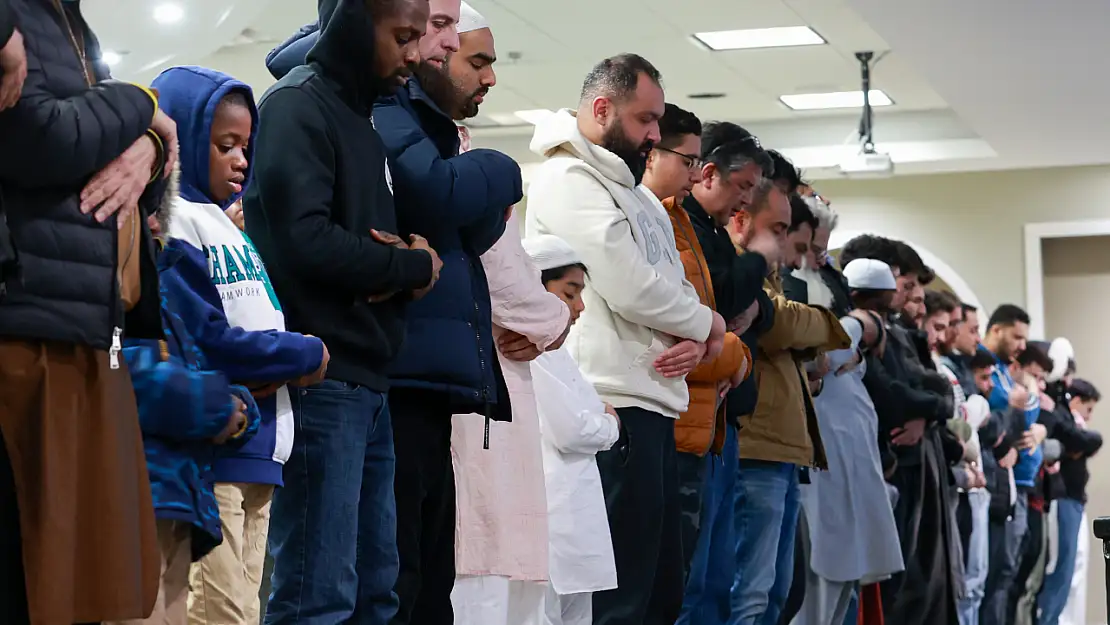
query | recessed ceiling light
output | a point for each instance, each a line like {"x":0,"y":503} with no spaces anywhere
{"x":534,"y":116}
{"x":168,"y":13}
{"x":110,"y":58}
{"x":760,"y":38}
{"x":834,"y":100}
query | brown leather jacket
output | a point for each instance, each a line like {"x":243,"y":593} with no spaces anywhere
{"x":701,"y":427}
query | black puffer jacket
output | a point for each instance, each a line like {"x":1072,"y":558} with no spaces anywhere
{"x":54,"y":140}
{"x":737,"y":283}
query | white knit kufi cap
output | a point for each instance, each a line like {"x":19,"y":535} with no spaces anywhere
{"x":549,"y":251}
{"x":469,"y":19}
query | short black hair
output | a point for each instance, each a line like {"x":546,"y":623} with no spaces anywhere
{"x":968,"y":308}
{"x":1035,"y":354}
{"x":730,"y":147}
{"x":616,"y":77}
{"x":1008,"y":315}
{"x":557,"y":273}
{"x":870,"y":246}
{"x":909,"y":262}
{"x":235,"y":97}
{"x":800,"y":214}
{"x":1084,"y":390}
{"x":785,"y":171}
{"x":675,"y":124}
{"x":981,"y":359}
{"x":938,"y":301}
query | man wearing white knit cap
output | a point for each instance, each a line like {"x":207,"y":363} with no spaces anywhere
{"x":447,"y":364}
{"x":501,"y":558}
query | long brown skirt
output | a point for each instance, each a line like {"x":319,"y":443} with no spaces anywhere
{"x":71,"y":431}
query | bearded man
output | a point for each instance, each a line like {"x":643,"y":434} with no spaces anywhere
{"x":643,"y":328}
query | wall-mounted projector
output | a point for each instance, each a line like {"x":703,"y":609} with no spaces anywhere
{"x":867,"y":165}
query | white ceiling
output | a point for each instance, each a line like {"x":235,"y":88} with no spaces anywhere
{"x":979,"y":85}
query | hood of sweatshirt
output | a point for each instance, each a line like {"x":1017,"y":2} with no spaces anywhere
{"x":345,"y":52}
{"x":190,"y":95}
{"x":559,"y":133}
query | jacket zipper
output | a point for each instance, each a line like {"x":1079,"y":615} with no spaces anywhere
{"x":82,"y":58}
{"x":712,"y":302}
{"x":482,"y":367}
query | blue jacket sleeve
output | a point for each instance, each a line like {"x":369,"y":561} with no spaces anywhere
{"x":244,"y":356}
{"x":1000,"y":397}
{"x":254,"y":418}
{"x":174,"y":401}
{"x":293,"y":51}
{"x":468,"y":190}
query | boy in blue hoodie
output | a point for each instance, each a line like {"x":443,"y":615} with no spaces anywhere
{"x":223,"y":294}
{"x":186,"y":412}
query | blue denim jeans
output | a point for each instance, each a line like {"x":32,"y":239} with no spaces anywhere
{"x":978,"y":558}
{"x":767,"y":507}
{"x":333,"y":526}
{"x":1006,"y":541}
{"x":1057,"y":585}
{"x":713,"y":565}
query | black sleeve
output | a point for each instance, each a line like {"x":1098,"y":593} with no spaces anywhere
{"x":51,"y":141}
{"x":7,"y":23}
{"x":295,"y":182}
{"x":1061,"y":426}
{"x":896,"y":402}
{"x":795,"y":290}
{"x":738,"y":283}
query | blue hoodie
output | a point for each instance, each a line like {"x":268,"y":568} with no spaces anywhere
{"x":182,"y":407}
{"x":219,"y":286}
{"x":1029,"y":461}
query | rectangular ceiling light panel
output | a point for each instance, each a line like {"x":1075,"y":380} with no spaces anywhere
{"x":834,"y":100}
{"x":760,"y":38}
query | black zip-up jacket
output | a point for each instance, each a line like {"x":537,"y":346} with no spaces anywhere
{"x":63,"y":285}
{"x":319,"y":187}
{"x":899,"y":397}
{"x":1079,"y":445}
{"x":737,"y":283}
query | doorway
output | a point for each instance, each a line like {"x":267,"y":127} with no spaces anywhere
{"x":1076,"y":287}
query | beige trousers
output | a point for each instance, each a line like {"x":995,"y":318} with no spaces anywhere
{"x":173,"y":591}
{"x":224,"y":584}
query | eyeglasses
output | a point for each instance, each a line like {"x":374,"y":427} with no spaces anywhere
{"x":692,"y":162}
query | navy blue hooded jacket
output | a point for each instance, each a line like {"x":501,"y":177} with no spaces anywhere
{"x":182,"y":406}
{"x":191,"y":95}
{"x":458,"y":203}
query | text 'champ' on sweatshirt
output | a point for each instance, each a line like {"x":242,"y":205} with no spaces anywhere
{"x":219,"y":286}
{"x":637,"y":297}
{"x":319,"y":188}
{"x":183,"y":405}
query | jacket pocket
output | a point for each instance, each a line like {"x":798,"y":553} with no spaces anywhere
{"x":646,"y":359}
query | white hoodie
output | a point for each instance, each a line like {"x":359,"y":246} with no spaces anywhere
{"x":637,"y":298}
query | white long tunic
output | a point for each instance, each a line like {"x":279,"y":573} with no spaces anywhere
{"x":574,"y":427}
{"x":850,"y":518}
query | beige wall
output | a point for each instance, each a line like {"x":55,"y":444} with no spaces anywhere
{"x":973,"y":221}
{"x":1077,"y":294}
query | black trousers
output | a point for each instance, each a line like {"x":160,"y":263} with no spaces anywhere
{"x":13,"y":592}
{"x":424,"y":486}
{"x":639,"y":476}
